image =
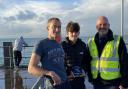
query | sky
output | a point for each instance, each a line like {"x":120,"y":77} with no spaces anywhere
{"x":29,"y":17}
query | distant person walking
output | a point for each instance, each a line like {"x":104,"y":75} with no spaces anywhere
{"x":17,"y":48}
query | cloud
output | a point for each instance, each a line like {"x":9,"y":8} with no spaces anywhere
{"x":31,"y":10}
{"x":11,"y":18}
{"x":20,"y":16}
{"x":14,"y":28}
{"x":93,"y":8}
{"x":25,"y":16}
{"x":42,"y":7}
{"x":1,"y":1}
{"x":30,"y":16}
{"x":87,"y":11}
{"x":10,"y":11}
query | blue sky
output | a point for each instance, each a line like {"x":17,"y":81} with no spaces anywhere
{"x":29,"y":17}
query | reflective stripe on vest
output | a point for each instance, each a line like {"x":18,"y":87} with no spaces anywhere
{"x":108,"y":64}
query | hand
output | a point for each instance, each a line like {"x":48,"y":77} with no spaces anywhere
{"x":56,"y":79}
{"x":121,"y":87}
{"x":71,"y":75}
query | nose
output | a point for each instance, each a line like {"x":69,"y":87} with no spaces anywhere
{"x":102,"y":25}
{"x":58,"y":30}
{"x":74,"y":33}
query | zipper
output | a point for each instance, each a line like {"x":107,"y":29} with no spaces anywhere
{"x":99,"y":70}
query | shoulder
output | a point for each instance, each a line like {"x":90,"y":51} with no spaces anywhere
{"x":81,"y":42}
{"x":120,"y":38}
{"x":41,"y":43}
{"x":39,"y":47}
{"x":64,"y":42}
{"x":122,"y":41}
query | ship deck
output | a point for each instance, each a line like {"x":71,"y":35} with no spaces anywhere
{"x":12,"y":79}
{"x":21,"y":79}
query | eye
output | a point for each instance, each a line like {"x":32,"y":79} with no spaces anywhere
{"x":54,"y":27}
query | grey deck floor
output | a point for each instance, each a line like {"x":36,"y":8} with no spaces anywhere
{"x":10,"y":79}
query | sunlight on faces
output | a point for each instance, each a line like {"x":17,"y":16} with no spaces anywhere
{"x":73,"y":36}
{"x":73,"y":31}
{"x":102,"y":26}
{"x":54,"y":29}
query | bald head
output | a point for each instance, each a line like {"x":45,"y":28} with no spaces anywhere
{"x":102,"y":25}
{"x":102,"y":18}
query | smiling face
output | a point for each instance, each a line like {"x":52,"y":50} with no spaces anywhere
{"x":54,"y":29}
{"x":73,"y":36}
{"x":73,"y":31}
{"x":102,"y":25}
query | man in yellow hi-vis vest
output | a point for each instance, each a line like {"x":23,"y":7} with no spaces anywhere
{"x":109,"y":59}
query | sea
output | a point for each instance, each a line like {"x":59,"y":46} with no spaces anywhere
{"x":26,"y":53}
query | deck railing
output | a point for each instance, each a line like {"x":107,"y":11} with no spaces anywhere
{"x":38,"y":84}
{"x":26,"y":53}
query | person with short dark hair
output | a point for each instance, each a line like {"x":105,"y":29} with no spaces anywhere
{"x":75,"y":56}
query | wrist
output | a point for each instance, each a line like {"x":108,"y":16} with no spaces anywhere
{"x":47,"y":73}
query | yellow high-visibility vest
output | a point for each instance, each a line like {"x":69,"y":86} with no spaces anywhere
{"x":108,"y":64}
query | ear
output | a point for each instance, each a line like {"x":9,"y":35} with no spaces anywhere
{"x":79,"y":33}
{"x":66,"y":34}
{"x":97,"y":27}
{"x":47,"y":28}
{"x":109,"y":25}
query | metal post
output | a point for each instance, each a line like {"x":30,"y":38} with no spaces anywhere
{"x":8,"y":54}
{"x":122,"y":17}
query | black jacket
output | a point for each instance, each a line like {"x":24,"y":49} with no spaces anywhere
{"x":123,"y":59}
{"x":75,"y":54}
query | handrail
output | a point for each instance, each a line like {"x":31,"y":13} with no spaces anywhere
{"x":38,"y":84}
{"x":1,"y":46}
{"x":25,"y":54}
{"x":28,"y":46}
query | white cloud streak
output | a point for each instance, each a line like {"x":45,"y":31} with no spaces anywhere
{"x":34,"y":15}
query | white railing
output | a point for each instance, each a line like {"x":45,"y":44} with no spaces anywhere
{"x":25,"y":56}
{"x":39,"y":84}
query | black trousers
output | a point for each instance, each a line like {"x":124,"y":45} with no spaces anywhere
{"x":77,"y":83}
{"x":17,"y":57}
{"x":64,"y":85}
{"x":105,"y":87}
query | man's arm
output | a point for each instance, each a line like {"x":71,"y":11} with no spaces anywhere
{"x":123,"y":63}
{"x":33,"y":67}
{"x":24,"y":42}
{"x":87,"y":63}
{"x":35,"y":70}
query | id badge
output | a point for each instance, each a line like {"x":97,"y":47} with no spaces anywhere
{"x":78,"y":72}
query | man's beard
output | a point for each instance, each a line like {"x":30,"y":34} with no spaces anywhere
{"x":102,"y":32}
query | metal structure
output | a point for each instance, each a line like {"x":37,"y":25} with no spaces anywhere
{"x":122,"y":18}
